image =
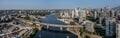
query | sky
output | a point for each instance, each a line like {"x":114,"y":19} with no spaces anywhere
{"x":56,"y":4}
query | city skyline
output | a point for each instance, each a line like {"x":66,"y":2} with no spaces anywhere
{"x":56,"y":4}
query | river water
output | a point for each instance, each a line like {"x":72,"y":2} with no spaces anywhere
{"x":52,"y":19}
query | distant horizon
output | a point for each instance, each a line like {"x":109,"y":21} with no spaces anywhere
{"x":56,"y":4}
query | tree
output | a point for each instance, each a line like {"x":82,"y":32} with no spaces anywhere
{"x":72,"y":23}
{"x":27,"y":17}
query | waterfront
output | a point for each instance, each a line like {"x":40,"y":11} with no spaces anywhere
{"x":52,"y":19}
{"x":51,"y":34}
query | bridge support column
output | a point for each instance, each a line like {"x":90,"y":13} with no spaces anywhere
{"x":67,"y":36}
{"x":47,"y":27}
{"x":61,"y":28}
{"x":3,"y":36}
{"x":7,"y":36}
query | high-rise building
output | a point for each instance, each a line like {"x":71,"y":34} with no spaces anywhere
{"x":73,"y":14}
{"x":77,"y":12}
{"x":113,"y":13}
{"x":110,"y":27}
{"x":95,"y":14}
{"x":118,"y":30}
{"x":100,"y":20}
{"x":82,"y":15}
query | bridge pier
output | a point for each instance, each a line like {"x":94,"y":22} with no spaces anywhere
{"x":47,"y":27}
{"x":7,"y":36}
{"x":67,"y":36}
{"x":61,"y":28}
{"x":72,"y":29}
{"x":2,"y":36}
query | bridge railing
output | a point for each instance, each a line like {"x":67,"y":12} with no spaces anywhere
{"x":55,"y":25}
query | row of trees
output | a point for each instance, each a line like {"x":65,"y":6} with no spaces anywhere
{"x":34,"y":30}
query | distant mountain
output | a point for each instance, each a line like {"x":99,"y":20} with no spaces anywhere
{"x":118,"y":7}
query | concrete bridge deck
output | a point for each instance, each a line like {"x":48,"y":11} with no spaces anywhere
{"x":71,"y":28}
{"x":56,"y":25}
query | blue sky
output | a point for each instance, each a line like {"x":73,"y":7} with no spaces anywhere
{"x":56,"y":4}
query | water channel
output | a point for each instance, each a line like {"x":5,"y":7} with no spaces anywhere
{"x":52,"y":19}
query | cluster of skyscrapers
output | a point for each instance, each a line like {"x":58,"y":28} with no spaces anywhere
{"x":107,"y":17}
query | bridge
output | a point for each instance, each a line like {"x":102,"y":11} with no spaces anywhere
{"x":71,"y":28}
